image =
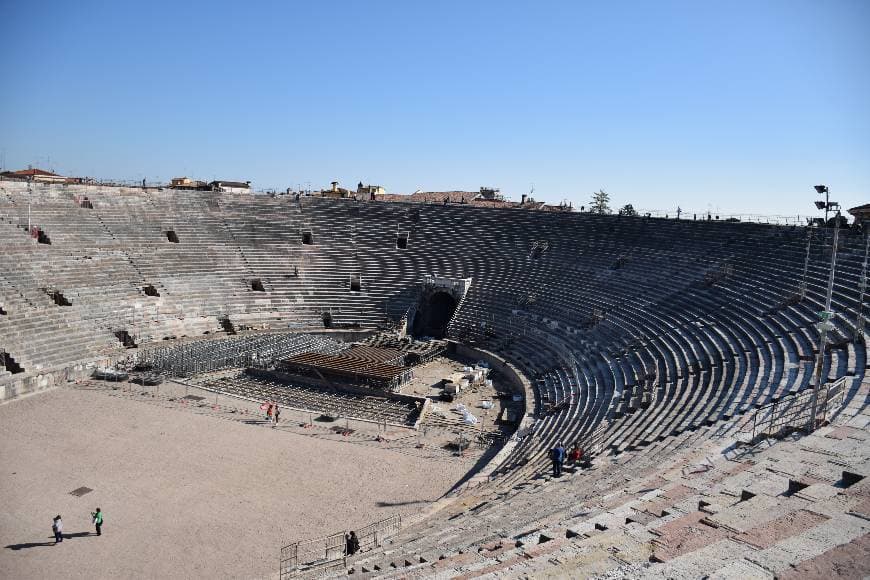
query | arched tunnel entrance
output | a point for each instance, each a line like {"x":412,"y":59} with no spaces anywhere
{"x":433,"y":315}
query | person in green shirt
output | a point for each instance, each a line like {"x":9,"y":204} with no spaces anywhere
{"x":98,"y":521}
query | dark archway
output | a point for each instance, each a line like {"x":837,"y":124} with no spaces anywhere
{"x":434,"y":314}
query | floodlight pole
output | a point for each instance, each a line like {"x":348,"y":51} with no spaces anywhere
{"x":824,"y":323}
{"x":859,"y":323}
{"x":806,"y":263}
{"x":827,"y":204}
{"x":29,"y":198}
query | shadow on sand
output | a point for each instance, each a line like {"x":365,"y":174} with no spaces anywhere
{"x":26,"y":545}
{"x":400,"y":503}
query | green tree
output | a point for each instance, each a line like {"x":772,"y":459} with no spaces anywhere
{"x":627,"y":209}
{"x":600,"y":202}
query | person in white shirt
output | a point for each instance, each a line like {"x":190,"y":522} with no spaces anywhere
{"x":57,"y":528}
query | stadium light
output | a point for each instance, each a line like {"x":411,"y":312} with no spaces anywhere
{"x":826,"y":205}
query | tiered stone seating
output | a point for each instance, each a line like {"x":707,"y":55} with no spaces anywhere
{"x":719,"y":351}
{"x":633,"y":329}
{"x":688,"y":507}
{"x":645,"y":340}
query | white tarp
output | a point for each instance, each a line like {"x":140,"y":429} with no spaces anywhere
{"x":466,"y":414}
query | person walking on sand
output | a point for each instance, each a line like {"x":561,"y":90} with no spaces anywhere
{"x":57,"y":528}
{"x":97,"y":518}
{"x":276,"y":414}
{"x":269,"y":413}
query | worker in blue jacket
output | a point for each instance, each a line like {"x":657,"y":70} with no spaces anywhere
{"x":557,"y":454}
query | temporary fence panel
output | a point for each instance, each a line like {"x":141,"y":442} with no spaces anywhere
{"x":794,"y":412}
{"x":373,"y":535}
{"x":310,"y":555}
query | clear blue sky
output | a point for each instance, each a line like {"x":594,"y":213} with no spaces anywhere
{"x":733,"y":105}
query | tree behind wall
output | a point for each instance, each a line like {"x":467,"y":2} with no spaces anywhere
{"x":600,"y":202}
{"x":627,"y":209}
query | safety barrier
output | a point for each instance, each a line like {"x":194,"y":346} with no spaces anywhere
{"x":793,"y":413}
{"x":373,"y":535}
{"x":312,"y":557}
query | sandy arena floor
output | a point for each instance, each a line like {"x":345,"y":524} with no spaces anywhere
{"x":186,"y":493}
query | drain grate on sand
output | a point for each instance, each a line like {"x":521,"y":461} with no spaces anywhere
{"x":79,"y":492}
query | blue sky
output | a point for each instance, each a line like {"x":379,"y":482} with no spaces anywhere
{"x":741,"y":106}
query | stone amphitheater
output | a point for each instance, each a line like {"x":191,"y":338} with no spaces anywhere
{"x":680,"y":354}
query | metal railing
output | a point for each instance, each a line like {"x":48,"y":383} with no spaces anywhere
{"x":329,"y":552}
{"x":723,"y":216}
{"x":794,"y":412}
{"x":204,"y":356}
{"x":309,"y":555}
{"x":373,"y":535}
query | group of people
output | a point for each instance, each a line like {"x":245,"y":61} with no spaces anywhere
{"x":57,"y":525}
{"x":558,"y":455}
{"x":273,"y":412}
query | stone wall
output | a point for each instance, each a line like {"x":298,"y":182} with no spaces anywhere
{"x":518,"y":383}
{"x":14,"y":388}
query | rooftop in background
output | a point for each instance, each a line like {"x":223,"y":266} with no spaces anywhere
{"x":861,"y":213}
{"x":30,"y":172}
{"x":443,"y":196}
{"x":486,"y":197}
{"x":33,"y":173}
{"x":231,"y":186}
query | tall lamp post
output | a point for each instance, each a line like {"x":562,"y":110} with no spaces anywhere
{"x":29,"y":200}
{"x":825,"y":315}
{"x":826,"y":205}
{"x":862,"y":288}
